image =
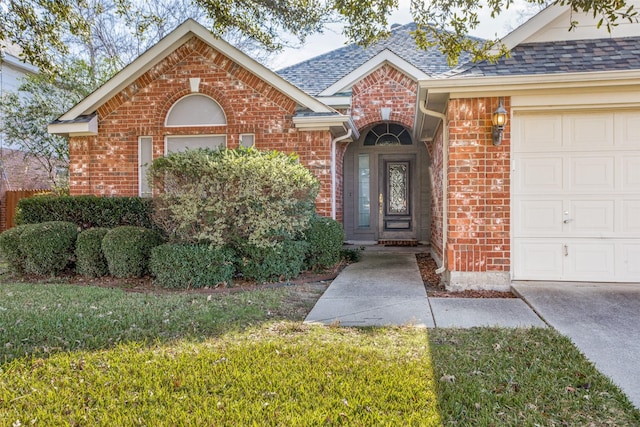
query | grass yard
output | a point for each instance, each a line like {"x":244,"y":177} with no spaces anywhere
{"x":76,"y":355}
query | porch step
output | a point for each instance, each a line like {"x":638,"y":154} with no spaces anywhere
{"x":406,"y":242}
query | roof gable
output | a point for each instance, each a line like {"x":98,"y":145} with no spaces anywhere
{"x":383,"y":58}
{"x":552,"y":25}
{"x":327,"y":72}
{"x":165,"y":47}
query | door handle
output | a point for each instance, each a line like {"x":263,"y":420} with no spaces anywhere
{"x":568,"y":220}
{"x":380,"y":202}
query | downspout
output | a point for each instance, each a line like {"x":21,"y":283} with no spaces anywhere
{"x":445,"y":181}
{"x":334,"y":170}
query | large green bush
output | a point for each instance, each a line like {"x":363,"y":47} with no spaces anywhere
{"x":229,"y":196}
{"x":90,"y":260}
{"x":48,"y":247}
{"x":127,"y":250}
{"x":281,"y":261}
{"x":325,"y":237}
{"x":86,"y":211}
{"x":191,"y":266}
{"x":10,"y":248}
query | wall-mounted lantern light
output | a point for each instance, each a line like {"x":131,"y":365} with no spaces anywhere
{"x":499,"y":119}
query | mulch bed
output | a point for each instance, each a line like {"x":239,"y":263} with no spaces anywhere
{"x":145,"y":284}
{"x":436,"y":289}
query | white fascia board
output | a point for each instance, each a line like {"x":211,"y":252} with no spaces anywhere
{"x":309,"y":123}
{"x":89,"y":128}
{"x":533,"y":25}
{"x":502,"y":84}
{"x":167,"y":45}
{"x":18,"y":63}
{"x":384,"y":57}
{"x":335,"y":101}
{"x":320,"y":122}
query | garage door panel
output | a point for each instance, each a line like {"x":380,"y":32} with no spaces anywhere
{"x":538,"y":260}
{"x":540,"y":175}
{"x":592,"y":131}
{"x":539,"y":216}
{"x":540,"y":132}
{"x":631,"y":173}
{"x":589,"y":260}
{"x":592,"y":217}
{"x":630,"y":217}
{"x":629,"y":262}
{"x":589,"y":174}
{"x":627,"y":126}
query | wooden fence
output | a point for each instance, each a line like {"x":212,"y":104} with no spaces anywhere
{"x":9,"y":205}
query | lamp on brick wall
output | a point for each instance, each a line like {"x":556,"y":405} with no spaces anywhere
{"x":499,"y":119}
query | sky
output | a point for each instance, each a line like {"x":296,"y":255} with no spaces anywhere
{"x":332,"y":39}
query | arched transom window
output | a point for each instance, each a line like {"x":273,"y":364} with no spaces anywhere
{"x":388,"y":134}
{"x":195,"y":110}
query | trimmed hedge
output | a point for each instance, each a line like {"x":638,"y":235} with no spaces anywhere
{"x":90,"y":260}
{"x":86,"y":211}
{"x":280,"y":262}
{"x":127,"y":250}
{"x":185,"y":266}
{"x":48,"y":247}
{"x":10,"y":248}
{"x":325,"y":238}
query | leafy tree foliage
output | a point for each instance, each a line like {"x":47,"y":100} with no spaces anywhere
{"x":38,"y":26}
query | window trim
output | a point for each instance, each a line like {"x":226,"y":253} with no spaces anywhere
{"x":204,"y":135}
{"x":140,"y":164}
{"x":253,"y":135}
{"x":224,"y":114}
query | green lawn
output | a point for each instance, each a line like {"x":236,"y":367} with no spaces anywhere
{"x":93,"y":356}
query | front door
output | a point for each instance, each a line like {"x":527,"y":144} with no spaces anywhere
{"x":386,"y":190}
{"x":396,"y":197}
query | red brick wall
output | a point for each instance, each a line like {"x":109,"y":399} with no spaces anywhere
{"x":479,"y":189}
{"x":385,"y":87}
{"x":435,"y":149}
{"x":108,"y":163}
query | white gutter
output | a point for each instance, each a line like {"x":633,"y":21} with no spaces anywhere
{"x":445,"y":180}
{"x":334,"y":172}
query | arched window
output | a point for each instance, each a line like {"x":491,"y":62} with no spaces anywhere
{"x":195,"y":110}
{"x":388,"y":134}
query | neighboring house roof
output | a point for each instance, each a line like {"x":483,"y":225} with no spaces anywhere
{"x":21,"y":171}
{"x":570,"y":56}
{"x":317,"y":74}
{"x":68,"y":123}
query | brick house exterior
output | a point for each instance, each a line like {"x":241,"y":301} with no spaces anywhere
{"x":404,"y":146}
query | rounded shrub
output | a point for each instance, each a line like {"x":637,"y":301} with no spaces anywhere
{"x":282,"y":261}
{"x":90,"y":260}
{"x":227,"y":197}
{"x":10,"y":248}
{"x":325,"y":237}
{"x":127,"y":250}
{"x":191,"y":266}
{"x":48,"y":247}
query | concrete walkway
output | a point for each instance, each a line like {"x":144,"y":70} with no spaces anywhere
{"x":385,"y":288}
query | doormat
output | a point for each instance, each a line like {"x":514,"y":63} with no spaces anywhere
{"x":408,"y":242}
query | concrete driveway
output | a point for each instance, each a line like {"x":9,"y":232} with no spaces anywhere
{"x":602,"y":320}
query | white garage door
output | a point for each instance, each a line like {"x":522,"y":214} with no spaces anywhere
{"x":576,"y":196}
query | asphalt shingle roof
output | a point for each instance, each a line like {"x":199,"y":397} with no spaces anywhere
{"x":317,"y":74}
{"x":569,"y":56}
